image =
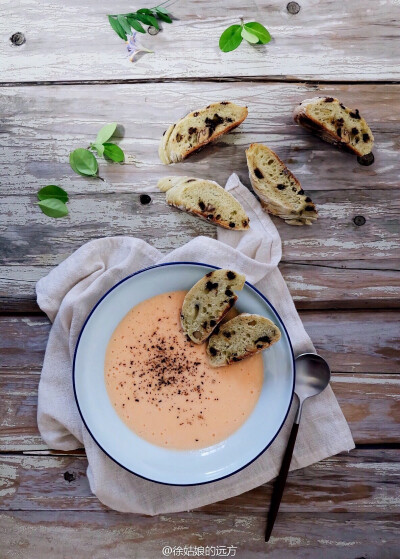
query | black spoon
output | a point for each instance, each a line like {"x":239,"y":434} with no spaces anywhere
{"x":312,"y":377}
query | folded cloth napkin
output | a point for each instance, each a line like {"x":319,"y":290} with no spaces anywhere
{"x":69,"y":292}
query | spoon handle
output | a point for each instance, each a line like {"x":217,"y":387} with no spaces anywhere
{"x":280,"y":482}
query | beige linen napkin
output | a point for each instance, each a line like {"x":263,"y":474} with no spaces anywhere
{"x":68,"y":294}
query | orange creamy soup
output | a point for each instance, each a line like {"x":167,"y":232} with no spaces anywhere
{"x":162,"y":386}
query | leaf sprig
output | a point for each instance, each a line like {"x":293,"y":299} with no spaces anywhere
{"x":123,"y":24}
{"x":52,"y":201}
{"x":253,"y":32}
{"x":84,"y":162}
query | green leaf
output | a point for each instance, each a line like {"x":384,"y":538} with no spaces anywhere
{"x":52,"y":191}
{"x":145,"y":11}
{"x":53,"y":207}
{"x":147,"y":19}
{"x":136,"y":25}
{"x":250,"y":37}
{"x":99,"y":148}
{"x":163,"y":16}
{"x":231,"y":38}
{"x":161,"y":9}
{"x":124,"y":24}
{"x":117,"y":27}
{"x":113,"y":152}
{"x":106,"y":132}
{"x":259,"y":31}
{"x":83,"y":162}
{"x":154,"y":22}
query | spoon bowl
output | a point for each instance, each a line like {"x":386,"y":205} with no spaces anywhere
{"x":312,"y":375}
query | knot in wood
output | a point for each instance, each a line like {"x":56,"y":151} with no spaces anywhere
{"x":69,"y":476}
{"x":359,"y":220}
{"x":18,"y":39}
{"x":293,"y":8}
{"x":145,"y":199}
{"x":366,"y":159}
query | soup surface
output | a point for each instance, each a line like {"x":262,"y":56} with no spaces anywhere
{"x":164,"y":389}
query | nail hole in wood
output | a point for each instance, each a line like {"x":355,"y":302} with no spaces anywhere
{"x":69,"y":476}
{"x":145,"y":199}
{"x":293,"y":8}
{"x":18,"y":39}
{"x":359,"y":220}
{"x":366,"y":160}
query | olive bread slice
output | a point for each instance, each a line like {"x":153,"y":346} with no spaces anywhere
{"x":199,"y":128}
{"x":206,"y":199}
{"x":333,"y":122}
{"x":279,"y":191}
{"x":241,"y":337}
{"x":208,"y":301}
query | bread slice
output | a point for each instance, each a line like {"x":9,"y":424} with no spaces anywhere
{"x":241,"y":337}
{"x":199,"y":128}
{"x":208,"y":301}
{"x":206,"y":199}
{"x":333,"y":122}
{"x":278,"y":189}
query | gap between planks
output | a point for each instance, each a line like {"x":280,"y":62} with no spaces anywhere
{"x":209,"y":79}
{"x":81,"y":451}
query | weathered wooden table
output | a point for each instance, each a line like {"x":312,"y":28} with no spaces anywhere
{"x":58,"y":88}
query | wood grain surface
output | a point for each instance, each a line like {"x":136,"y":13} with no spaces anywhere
{"x":102,"y":535}
{"x":336,"y":335}
{"x":369,"y":477}
{"x":329,"y":284}
{"x":57,"y":89}
{"x":370,"y":404}
{"x":351,"y":266}
{"x":45,"y":123}
{"x":325,"y":40}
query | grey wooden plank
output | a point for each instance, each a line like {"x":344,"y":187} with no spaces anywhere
{"x":111,"y":535}
{"x":370,"y":403}
{"x":325,"y":40}
{"x":41,"y":125}
{"x":59,"y":483}
{"x":40,"y":239}
{"x":353,"y":341}
{"x":356,"y":284}
{"x":63,"y":119}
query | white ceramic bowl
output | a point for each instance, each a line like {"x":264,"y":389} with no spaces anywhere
{"x":177,"y":467}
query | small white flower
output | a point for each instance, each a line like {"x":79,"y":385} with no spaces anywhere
{"x":134,"y":47}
